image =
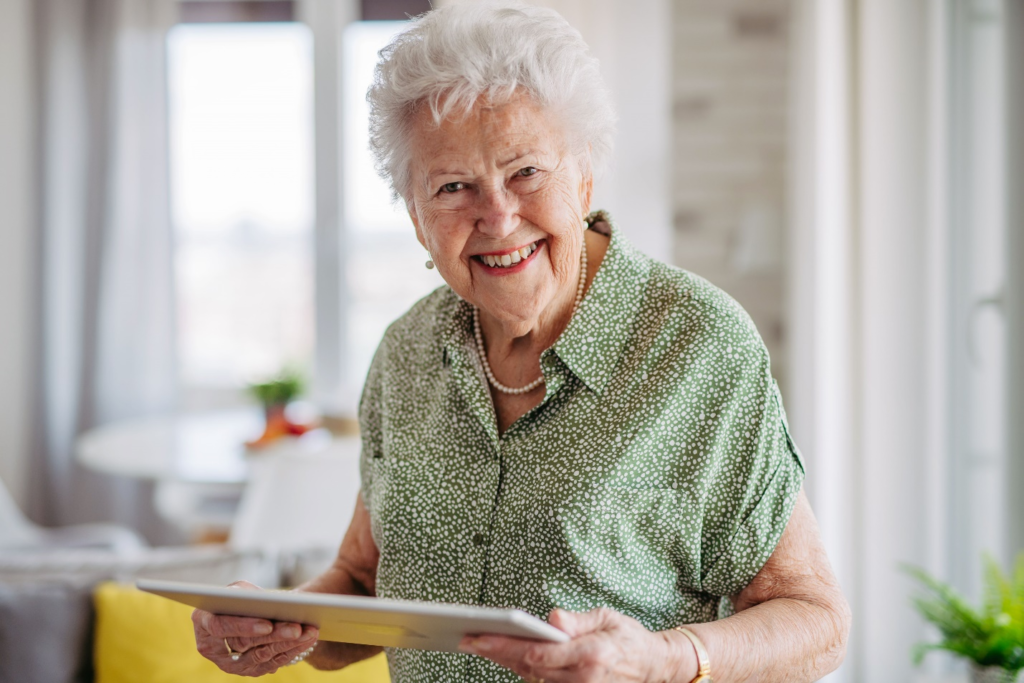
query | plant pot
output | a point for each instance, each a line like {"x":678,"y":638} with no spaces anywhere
{"x":992,"y":674}
{"x":273,"y":411}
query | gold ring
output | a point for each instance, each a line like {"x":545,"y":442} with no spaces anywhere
{"x":234,"y":655}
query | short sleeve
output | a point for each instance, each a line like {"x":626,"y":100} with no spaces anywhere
{"x":753,"y":491}
{"x":370,"y":425}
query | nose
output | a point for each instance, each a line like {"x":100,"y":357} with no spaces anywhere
{"x":497,"y":213}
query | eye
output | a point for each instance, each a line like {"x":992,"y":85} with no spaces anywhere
{"x":528,"y":171}
{"x":450,"y":188}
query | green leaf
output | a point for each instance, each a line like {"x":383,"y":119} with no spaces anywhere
{"x":279,"y":390}
{"x":992,"y":635}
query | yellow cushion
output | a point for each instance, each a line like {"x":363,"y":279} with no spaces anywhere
{"x":143,"y":637}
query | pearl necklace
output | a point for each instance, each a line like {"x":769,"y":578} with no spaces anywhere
{"x":483,"y":351}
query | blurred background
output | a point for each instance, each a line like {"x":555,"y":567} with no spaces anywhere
{"x":188,"y":206}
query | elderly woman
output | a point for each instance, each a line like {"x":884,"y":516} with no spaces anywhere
{"x":568,"y":427}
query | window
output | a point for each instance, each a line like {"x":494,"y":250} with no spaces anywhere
{"x":385,"y":262}
{"x":241,"y":140}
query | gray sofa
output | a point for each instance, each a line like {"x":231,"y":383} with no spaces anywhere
{"x":46,"y":608}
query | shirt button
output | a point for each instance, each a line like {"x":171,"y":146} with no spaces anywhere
{"x":479,"y":539}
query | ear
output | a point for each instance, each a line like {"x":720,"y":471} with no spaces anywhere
{"x":586,"y":192}
{"x":414,"y":217}
{"x":586,"y":181}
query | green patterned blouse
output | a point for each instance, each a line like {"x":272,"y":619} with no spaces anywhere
{"x":656,"y":476}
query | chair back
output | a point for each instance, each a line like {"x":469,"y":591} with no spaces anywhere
{"x":298,"y":500}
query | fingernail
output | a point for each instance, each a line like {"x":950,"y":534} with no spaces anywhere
{"x":291,"y":632}
{"x":263,"y":629}
{"x":481,"y":645}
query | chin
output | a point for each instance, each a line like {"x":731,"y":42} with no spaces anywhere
{"x":509,"y":317}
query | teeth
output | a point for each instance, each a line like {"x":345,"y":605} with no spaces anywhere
{"x":506,"y":260}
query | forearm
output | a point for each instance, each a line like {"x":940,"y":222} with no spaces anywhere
{"x":784,"y":639}
{"x":339,"y":580}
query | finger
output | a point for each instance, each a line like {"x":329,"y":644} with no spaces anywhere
{"x":517,"y":654}
{"x":278,"y":661}
{"x":284,"y":631}
{"x":266,"y":653}
{"x":218,"y":626}
{"x":530,"y":659}
{"x":265,"y":659}
{"x":580,"y":653}
{"x":222,"y":626}
{"x":579,"y":623}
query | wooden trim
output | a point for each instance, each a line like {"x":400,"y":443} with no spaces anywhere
{"x":236,"y":11}
{"x":392,"y":10}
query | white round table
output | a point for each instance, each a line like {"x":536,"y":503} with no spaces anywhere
{"x":201,"y":469}
{"x":205,"y":448}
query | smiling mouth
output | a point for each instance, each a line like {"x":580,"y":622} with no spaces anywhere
{"x":510,"y":259}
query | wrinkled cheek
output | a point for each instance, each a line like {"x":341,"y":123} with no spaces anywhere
{"x":459,"y":278}
{"x":565,"y":259}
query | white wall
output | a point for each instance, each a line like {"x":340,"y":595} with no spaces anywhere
{"x":16,"y":220}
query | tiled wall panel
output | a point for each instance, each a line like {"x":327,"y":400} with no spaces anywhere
{"x":730,"y":111}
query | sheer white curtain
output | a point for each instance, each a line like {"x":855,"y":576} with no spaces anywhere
{"x":1015,"y":274}
{"x":105,"y":305}
{"x":897,"y":250}
{"x":865,"y":244}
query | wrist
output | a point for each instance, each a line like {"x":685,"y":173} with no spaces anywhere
{"x":681,"y":659}
{"x":701,"y":653}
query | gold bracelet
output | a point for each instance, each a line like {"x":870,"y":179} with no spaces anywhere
{"x":703,"y":661}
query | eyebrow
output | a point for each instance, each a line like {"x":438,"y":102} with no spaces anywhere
{"x":432,"y":175}
{"x":448,"y":171}
{"x":516,"y":156}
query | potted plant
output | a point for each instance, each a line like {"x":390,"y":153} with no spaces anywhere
{"x":275,"y":394}
{"x":990,"y":637}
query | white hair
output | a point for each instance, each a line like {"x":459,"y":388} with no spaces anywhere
{"x":452,"y":56}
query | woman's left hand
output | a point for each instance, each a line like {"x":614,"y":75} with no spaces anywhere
{"x":605,"y":646}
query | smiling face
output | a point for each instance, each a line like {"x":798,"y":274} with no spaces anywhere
{"x":498,"y":200}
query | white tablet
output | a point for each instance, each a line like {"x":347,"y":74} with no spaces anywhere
{"x":357,"y":619}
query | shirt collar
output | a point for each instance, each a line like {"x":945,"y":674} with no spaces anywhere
{"x":597,"y":335}
{"x":457,"y":333}
{"x":592,"y":344}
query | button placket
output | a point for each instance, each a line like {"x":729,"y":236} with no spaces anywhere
{"x":478,"y":533}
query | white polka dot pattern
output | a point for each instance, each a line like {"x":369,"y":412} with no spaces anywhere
{"x":656,"y":476}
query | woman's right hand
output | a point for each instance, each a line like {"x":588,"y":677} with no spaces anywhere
{"x":265,"y":646}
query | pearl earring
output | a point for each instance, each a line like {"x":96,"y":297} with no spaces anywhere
{"x":430,"y":264}
{"x":586,"y":225}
